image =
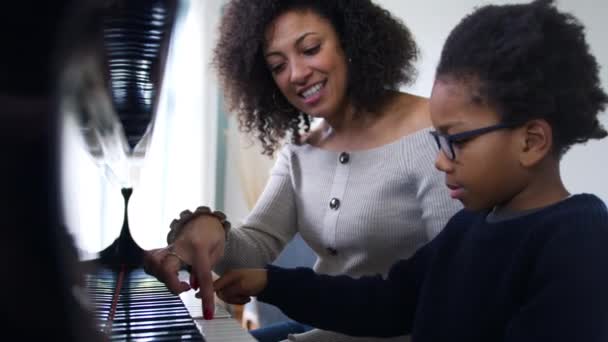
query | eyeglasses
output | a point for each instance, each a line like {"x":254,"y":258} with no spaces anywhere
{"x":445,"y":142}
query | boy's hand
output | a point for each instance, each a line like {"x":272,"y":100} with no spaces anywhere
{"x":236,"y":286}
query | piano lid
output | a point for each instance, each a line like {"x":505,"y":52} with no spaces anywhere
{"x":111,"y":77}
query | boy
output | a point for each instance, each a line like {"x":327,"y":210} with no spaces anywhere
{"x":516,"y":86}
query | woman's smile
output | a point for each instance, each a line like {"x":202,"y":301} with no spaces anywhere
{"x":312,"y":95}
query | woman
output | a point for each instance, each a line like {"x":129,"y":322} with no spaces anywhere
{"x":360,"y":186}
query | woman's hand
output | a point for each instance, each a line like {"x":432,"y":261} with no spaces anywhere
{"x":201,"y":245}
{"x":236,"y":286}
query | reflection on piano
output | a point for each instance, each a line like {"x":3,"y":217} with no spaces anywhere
{"x":113,"y":66}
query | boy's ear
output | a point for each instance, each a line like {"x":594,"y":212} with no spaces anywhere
{"x":536,"y":142}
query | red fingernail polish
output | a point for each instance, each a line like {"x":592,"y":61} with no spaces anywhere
{"x":207,"y":314}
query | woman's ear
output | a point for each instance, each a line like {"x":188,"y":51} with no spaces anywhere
{"x":536,"y":142}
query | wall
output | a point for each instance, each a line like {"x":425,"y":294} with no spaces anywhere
{"x":584,"y":167}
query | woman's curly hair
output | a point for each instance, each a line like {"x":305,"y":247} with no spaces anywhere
{"x":530,"y":61}
{"x":380,"y":51}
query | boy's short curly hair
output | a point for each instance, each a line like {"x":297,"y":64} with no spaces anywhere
{"x":530,"y":61}
{"x":380,"y":51}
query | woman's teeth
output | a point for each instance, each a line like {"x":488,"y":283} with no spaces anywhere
{"x":312,"y":91}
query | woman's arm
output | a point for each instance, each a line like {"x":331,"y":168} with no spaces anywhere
{"x":268,"y":227}
{"x":201,"y":242}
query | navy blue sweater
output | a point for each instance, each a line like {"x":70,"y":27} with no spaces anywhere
{"x":539,"y":277}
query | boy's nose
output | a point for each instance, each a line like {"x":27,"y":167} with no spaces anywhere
{"x":442,"y":163}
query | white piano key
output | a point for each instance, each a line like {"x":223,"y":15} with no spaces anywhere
{"x":222,"y":328}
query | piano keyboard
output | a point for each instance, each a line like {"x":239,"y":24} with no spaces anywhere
{"x":222,"y":328}
{"x":145,"y":310}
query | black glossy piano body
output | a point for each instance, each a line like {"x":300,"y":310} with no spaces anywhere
{"x":114,"y":61}
{"x":114,"y":56}
{"x":128,"y":304}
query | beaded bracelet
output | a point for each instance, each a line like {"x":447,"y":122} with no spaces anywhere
{"x":186,"y":216}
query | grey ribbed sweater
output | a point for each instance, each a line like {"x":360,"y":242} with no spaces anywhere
{"x":390,"y":201}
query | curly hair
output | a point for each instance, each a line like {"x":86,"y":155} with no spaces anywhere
{"x":530,"y":61}
{"x":380,"y":50}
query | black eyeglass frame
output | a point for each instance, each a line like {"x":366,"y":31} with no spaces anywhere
{"x":445,"y":141}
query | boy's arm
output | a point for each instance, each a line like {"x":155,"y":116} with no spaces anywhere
{"x":567,"y":298}
{"x":368,"y":306}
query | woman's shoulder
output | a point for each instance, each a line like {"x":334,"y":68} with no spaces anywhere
{"x":412,"y":110}
{"x":404,"y":117}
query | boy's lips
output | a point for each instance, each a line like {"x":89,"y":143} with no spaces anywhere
{"x":456,"y":191}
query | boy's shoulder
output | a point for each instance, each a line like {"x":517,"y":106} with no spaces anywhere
{"x":570,"y":225}
{"x":584,"y":213}
{"x":570,"y":244}
{"x":581,"y":212}
{"x":577,"y":209}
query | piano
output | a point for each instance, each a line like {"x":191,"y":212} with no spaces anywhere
{"x":130,"y":305}
{"x":114,"y":54}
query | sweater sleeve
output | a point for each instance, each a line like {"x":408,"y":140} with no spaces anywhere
{"x":367,"y":306}
{"x":568,"y":296}
{"x":436,"y":206}
{"x":270,"y":225}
